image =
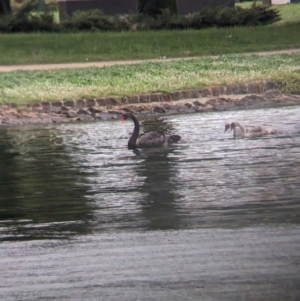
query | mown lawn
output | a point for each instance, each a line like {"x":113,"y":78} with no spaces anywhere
{"x":101,"y":46}
{"x":81,"y":47}
{"x":28,"y":86}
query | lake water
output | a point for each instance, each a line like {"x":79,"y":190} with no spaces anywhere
{"x":210,"y":218}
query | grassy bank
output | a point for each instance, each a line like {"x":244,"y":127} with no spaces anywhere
{"x":28,"y":86}
{"x":81,"y":47}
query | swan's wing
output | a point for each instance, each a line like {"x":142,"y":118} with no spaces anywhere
{"x":151,"y":139}
{"x":263,"y":130}
{"x":151,"y":136}
{"x":173,"y":138}
{"x":269,"y":130}
{"x":260,"y":131}
{"x":254,"y":129}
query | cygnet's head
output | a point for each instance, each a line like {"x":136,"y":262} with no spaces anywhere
{"x":233,"y":125}
{"x":227,"y":127}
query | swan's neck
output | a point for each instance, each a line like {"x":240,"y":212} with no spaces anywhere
{"x":235,"y":132}
{"x":241,"y":127}
{"x":135,"y":134}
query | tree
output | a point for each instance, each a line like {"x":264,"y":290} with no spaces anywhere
{"x":5,"y":7}
{"x":154,"y":7}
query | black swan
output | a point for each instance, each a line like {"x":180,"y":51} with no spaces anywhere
{"x":151,"y":139}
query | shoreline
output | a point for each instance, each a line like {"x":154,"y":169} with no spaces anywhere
{"x":256,"y":95}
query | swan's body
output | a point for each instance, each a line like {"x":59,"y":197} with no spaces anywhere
{"x":254,"y":131}
{"x":151,"y":139}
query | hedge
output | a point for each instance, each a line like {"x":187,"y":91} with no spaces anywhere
{"x":25,"y":21}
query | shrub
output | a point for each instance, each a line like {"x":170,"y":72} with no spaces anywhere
{"x":207,"y":17}
{"x":257,"y":15}
{"x":5,"y":7}
{"x":26,"y":21}
{"x":89,"y":20}
{"x":155,"y":7}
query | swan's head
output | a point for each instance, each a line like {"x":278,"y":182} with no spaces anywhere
{"x":233,"y":125}
{"x":124,"y":117}
{"x":227,"y":127}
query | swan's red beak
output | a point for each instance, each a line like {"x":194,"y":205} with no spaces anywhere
{"x":122,"y":119}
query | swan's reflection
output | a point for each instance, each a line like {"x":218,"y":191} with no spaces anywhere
{"x":158,"y":169}
{"x":8,"y":193}
{"x":39,"y":198}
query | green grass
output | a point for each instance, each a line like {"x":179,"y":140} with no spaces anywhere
{"x":101,"y":46}
{"x":28,"y":86}
{"x":290,"y":13}
{"x":81,"y":47}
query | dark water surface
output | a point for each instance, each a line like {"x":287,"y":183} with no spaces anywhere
{"x":211,"y":218}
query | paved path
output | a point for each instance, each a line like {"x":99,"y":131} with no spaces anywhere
{"x":112,"y":63}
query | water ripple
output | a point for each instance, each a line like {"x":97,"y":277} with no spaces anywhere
{"x":74,"y":179}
